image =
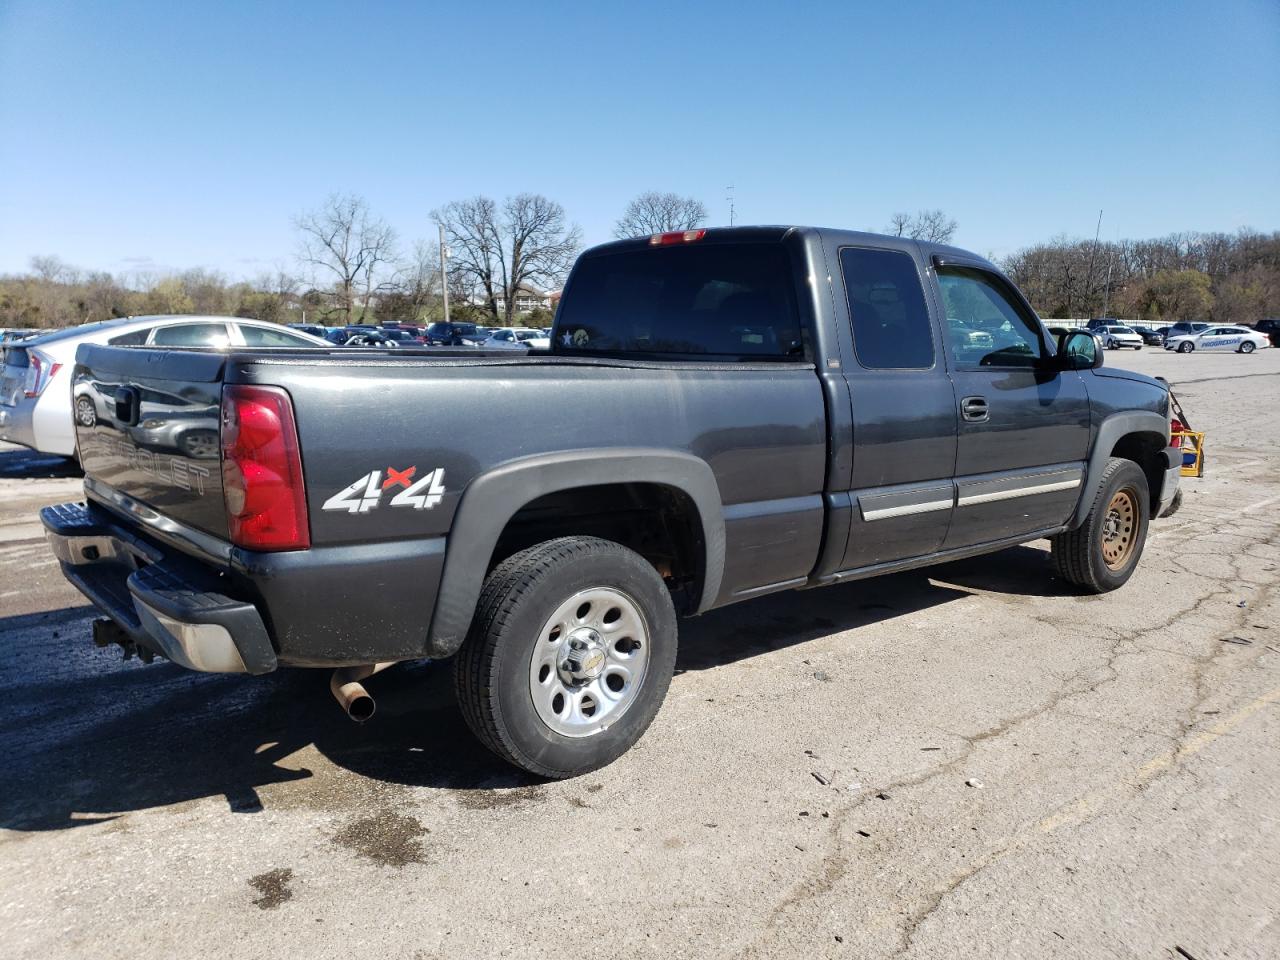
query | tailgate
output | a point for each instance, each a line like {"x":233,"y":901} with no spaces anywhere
{"x":147,"y":426}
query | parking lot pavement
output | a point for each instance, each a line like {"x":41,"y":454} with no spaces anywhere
{"x":962,"y":761}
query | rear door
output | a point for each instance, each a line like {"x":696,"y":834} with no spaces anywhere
{"x":904,"y":407}
{"x":1023,"y":426}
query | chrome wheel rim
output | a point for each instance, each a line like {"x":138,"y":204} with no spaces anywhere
{"x":1246,"y":347}
{"x":1119,"y":528}
{"x":85,"y":415}
{"x":589,"y":662}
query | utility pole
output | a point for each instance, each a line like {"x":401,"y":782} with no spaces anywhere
{"x":1106,"y":290}
{"x":1088,"y":284}
{"x":730,"y":199}
{"x":444,"y":274}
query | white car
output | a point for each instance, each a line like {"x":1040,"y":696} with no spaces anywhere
{"x":511,"y":338}
{"x":1236,"y":339}
{"x":1114,"y":337}
{"x":36,"y":407}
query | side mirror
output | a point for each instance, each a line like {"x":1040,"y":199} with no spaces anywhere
{"x":1079,"y":350}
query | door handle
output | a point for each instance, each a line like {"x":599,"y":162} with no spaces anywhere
{"x":974,"y":409}
{"x":127,"y":405}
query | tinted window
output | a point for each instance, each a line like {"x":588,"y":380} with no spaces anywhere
{"x":134,"y":339}
{"x":891,"y":329}
{"x":262,"y":337}
{"x":1007,"y":334}
{"x":192,"y":335}
{"x":502,"y":335}
{"x":728,"y":299}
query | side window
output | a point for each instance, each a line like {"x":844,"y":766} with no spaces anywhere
{"x":261,"y":337}
{"x":135,"y":339}
{"x":985,"y":324}
{"x":192,"y":335}
{"x":891,"y":328}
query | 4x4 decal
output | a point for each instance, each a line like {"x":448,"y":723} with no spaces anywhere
{"x":366,"y":493}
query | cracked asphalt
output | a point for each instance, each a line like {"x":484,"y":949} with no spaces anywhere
{"x":968,"y":760}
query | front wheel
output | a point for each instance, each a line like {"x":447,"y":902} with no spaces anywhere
{"x":1137,"y":346}
{"x":569,"y":656}
{"x":1186,"y":347}
{"x":1103,"y":552}
{"x":1247,"y":347}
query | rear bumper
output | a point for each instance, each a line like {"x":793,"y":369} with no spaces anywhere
{"x":42,"y":423}
{"x":163,"y":603}
{"x":15,"y":424}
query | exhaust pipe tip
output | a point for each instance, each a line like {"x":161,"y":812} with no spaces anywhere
{"x":350,"y":692}
{"x":361,"y":708}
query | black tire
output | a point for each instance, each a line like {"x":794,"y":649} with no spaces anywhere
{"x":1175,"y":504}
{"x":492,"y":670}
{"x":1078,"y":554}
{"x":1247,"y":347}
{"x":1186,"y":347}
{"x":1138,"y":346}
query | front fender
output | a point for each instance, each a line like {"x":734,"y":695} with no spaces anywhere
{"x":493,"y":498}
{"x":1112,"y":429}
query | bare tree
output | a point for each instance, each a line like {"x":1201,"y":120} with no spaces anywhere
{"x":654,"y":212}
{"x":932,"y":226}
{"x":498,"y":252}
{"x":342,"y":239}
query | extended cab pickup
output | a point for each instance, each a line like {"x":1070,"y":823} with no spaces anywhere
{"x":722,"y":414}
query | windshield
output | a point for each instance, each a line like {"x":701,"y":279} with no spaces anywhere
{"x":730,"y":300}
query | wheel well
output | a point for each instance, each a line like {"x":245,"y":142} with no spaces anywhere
{"x":1144,"y":450}
{"x":658,"y":522}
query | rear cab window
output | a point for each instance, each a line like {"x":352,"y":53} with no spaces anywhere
{"x":727,"y":301}
{"x":891,"y":326}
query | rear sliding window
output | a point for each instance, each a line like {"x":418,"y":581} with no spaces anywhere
{"x":727,"y":300}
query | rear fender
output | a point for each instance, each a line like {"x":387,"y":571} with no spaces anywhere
{"x":493,"y":498}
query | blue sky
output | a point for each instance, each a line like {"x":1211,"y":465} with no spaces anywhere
{"x":189,"y":134}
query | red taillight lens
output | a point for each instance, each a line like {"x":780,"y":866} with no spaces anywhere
{"x":262,"y":470}
{"x":676,"y":236}
{"x":40,"y":371}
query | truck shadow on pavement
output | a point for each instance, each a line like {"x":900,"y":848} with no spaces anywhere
{"x":87,"y":737}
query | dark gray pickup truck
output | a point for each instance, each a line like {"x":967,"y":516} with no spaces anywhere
{"x":722,"y":414}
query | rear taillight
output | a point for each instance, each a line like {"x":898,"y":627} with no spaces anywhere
{"x":262,"y":470}
{"x":41,"y":369}
{"x":676,"y":236}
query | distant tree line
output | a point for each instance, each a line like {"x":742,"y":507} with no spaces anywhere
{"x":350,"y":267}
{"x":1222,"y":277}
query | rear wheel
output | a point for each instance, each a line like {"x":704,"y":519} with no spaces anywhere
{"x":1186,"y":347}
{"x":569,"y":656}
{"x":1103,"y":552}
{"x":86,"y":414}
{"x":1247,"y":347}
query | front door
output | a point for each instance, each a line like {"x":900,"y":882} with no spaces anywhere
{"x":904,"y":409}
{"x":1023,"y":426}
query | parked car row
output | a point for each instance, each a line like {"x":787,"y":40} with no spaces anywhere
{"x":1187,"y":336}
{"x":35,"y":413}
